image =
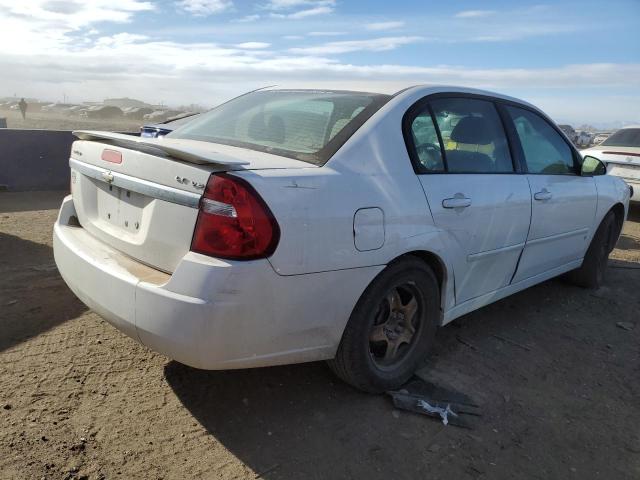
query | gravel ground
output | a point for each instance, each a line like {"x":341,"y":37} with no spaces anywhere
{"x":553,"y":370}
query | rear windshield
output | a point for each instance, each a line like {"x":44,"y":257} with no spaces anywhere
{"x":627,"y":137}
{"x":302,"y":124}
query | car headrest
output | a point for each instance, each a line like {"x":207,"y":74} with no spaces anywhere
{"x":273,"y":130}
{"x":472,"y":130}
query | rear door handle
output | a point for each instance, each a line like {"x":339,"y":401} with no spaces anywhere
{"x":456,"y":202}
{"x":543,"y":194}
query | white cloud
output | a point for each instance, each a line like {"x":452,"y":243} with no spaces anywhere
{"x":253,"y":45}
{"x":203,"y":8}
{"x":37,"y":25}
{"x":373,"y":45}
{"x":247,"y":19}
{"x":377,"y":26}
{"x":68,"y":15}
{"x":520,"y":32}
{"x":474,"y":13}
{"x":310,"y":12}
{"x":290,"y":4}
{"x":326,"y":34}
{"x":120,"y":39}
{"x":309,"y":8}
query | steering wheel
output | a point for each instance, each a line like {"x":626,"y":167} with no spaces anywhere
{"x":429,"y":156}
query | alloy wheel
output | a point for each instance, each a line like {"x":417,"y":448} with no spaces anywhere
{"x":395,"y":326}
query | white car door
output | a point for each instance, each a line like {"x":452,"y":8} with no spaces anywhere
{"x":466,"y":170}
{"x":564,"y":203}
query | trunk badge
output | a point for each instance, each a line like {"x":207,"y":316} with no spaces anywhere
{"x":186,"y":181}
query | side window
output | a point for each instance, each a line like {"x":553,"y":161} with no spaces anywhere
{"x":425,"y":140}
{"x":473,"y":136}
{"x":545,"y":151}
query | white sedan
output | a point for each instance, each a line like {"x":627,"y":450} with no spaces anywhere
{"x":620,"y":152}
{"x":298,"y":225}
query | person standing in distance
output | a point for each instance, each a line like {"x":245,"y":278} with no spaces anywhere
{"x":23,"y":108}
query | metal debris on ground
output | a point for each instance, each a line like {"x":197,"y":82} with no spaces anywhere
{"x":426,"y":398}
{"x":443,"y":412}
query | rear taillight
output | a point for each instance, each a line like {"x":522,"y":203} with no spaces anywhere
{"x":233,"y":221}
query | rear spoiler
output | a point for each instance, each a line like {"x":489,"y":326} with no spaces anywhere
{"x":176,"y":148}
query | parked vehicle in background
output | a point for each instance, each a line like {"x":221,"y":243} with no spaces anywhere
{"x":56,"y":107}
{"x":75,"y":110}
{"x":600,"y":137}
{"x":159,"y":130}
{"x":137,"y":113}
{"x":621,"y":155}
{"x":583,"y":139}
{"x":569,"y":132}
{"x":158,"y":116}
{"x":102,"y":112}
{"x":289,"y":226}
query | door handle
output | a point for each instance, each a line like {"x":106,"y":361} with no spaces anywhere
{"x":543,"y":194}
{"x":456,"y":202}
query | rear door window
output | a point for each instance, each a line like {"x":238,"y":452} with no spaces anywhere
{"x":473,"y":136}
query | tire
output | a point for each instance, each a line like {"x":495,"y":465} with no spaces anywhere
{"x":376,"y":355}
{"x":594,"y":266}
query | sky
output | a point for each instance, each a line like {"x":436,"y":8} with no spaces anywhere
{"x":577,"y":60}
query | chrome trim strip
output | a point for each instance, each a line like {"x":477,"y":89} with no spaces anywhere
{"x":481,"y":255}
{"x":573,"y":233}
{"x":138,"y":185}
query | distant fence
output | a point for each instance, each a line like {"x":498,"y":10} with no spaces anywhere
{"x":34,"y":159}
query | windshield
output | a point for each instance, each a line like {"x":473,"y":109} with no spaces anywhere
{"x":627,"y":137}
{"x":302,"y":124}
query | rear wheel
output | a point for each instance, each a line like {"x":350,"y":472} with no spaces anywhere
{"x":391,"y":328}
{"x":593,"y":270}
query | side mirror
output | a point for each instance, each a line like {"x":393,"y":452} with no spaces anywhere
{"x":591,"y":167}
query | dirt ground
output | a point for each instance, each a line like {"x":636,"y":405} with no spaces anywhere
{"x":54,"y":121}
{"x":555,"y":375}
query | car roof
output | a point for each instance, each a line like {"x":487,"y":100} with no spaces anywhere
{"x":425,"y":90}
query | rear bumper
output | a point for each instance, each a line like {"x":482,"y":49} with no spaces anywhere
{"x":210,"y":313}
{"x":629,"y":177}
{"x":634,"y":187}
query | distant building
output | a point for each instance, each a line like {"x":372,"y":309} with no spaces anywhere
{"x":125,"y":102}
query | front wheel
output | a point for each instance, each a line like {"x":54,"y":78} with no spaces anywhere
{"x":594,"y":266}
{"x":391,"y":328}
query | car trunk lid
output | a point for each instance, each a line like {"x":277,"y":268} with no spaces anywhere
{"x":141,"y":196}
{"x":612,"y":154}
